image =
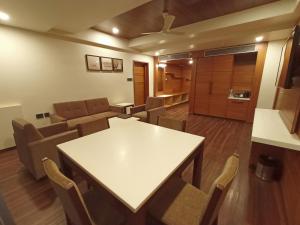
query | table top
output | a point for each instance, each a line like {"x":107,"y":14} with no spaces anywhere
{"x":124,"y":104}
{"x":268,"y":128}
{"x":132,"y":159}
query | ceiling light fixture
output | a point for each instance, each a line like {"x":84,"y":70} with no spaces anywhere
{"x":191,"y":61}
{"x":162,"y":65}
{"x":191,"y":35}
{"x":4,"y":16}
{"x":115,"y":30}
{"x":259,"y":38}
{"x":192,"y":46}
{"x":162,"y":41}
{"x":157,"y":53}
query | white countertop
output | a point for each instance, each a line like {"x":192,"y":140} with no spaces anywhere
{"x":237,"y":98}
{"x":268,"y":128}
{"x":132,"y":159}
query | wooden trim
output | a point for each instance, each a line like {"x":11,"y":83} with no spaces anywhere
{"x":146,"y":80}
{"x":260,"y":63}
{"x":155,"y":75}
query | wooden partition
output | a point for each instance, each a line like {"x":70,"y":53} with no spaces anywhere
{"x":214,"y":77}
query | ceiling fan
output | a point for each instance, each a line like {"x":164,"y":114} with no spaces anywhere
{"x":168,"y":22}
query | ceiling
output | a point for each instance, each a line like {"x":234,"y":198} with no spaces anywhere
{"x":150,"y":18}
{"x":206,"y":24}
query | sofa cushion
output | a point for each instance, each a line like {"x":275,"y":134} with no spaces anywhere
{"x":109,"y":114}
{"x":74,"y":122}
{"x":154,"y":102}
{"x":141,"y":115}
{"x":97,"y":105}
{"x":71,"y":110}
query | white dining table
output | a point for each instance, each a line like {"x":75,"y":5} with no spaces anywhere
{"x":131,"y":160}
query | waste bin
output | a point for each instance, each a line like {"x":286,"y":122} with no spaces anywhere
{"x":267,"y":168}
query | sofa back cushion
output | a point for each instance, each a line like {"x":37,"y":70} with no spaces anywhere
{"x":154,"y":102}
{"x":71,"y":110}
{"x":97,"y":105}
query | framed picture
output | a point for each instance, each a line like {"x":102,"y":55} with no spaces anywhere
{"x":106,"y":64}
{"x":92,"y":62}
{"x":117,"y":65}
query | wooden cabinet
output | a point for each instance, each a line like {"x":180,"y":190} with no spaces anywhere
{"x":237,"y":109}
{"x":213,"y":79}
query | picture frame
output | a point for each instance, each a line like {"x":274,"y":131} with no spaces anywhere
{"x":92,"y":63}
{"x":117,"y":65}
{"x":106,"y":64}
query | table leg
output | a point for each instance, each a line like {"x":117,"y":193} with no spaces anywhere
{"x":66,"y":169}
{"x":198,"y":167}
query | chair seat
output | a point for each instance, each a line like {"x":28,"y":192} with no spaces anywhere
{"x":101,"y":212}
{"x":141,"y":115}
{"x":180,"y":204}
{"x":108,"y":114}
{"x":72,"y":123}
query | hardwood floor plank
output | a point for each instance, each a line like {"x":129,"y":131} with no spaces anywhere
{"x":250,"y":201}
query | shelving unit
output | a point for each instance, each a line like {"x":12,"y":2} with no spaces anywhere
{"x":174,"y":99}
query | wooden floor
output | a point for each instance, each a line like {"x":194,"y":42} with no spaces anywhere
{"x":249,"y":201}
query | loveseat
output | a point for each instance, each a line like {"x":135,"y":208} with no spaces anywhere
{"x":78,"y":112}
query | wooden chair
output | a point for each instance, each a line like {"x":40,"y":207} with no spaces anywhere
{"x":87,"y":209}
{"x":183,"y":204}
{"x":5,"y":216}
{"x":174,"y":124}
{"x":92,"y":126}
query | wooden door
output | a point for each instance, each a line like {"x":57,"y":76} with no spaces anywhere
{"x":203,"y":85}
{"x":140,"y":77}
{"x":222,"y":67}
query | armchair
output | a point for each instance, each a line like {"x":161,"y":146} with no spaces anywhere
{"x":150,"y":111}
{"x":34,"y":144}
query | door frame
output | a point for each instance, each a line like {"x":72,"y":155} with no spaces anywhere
{"x":146,"y":79}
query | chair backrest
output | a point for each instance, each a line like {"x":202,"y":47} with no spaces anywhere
{"x":69,"y":195}
{"x":92,"y":126}
{"x":174,"y":124}
{"x":24,"y":133}
{"x":153,"y":102}
{"x":5,"y":216}
{"x":219,"y":190}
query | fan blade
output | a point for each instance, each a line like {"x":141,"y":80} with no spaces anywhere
{"x":174,"y":33}
{"x":168,"y":21}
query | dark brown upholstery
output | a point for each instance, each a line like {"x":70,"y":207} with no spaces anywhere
{"x":184,"y":204}
{"x":5,"y":216}
{"x":32,"y":145}
{"x":97,"y":105}
{"x":71,"y":110}
{"x":89,"y":209}
{"x":92,"y":126}
{"x":174,"y":124}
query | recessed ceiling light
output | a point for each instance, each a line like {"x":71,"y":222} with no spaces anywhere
{"x":157,"y":53}
{"x":115,"y":30}
{"x":191,"y":61}
{"x":162,"y":41}
{"x":192,"y":46}
{"x":259,"y":38}
{"x":4,"y":16}
{"x":192,"y":35}
{"x":162,"y":65}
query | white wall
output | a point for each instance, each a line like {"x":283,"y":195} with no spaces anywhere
{"x":37,"y":71}
{"x":267,"y":88}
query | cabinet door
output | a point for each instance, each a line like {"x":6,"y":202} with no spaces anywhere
{"x":221,"y":83}
{"x":237,"y":109}
{"x":203,"y":85}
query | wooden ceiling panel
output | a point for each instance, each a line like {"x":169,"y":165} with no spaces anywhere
{"x":148,"y":17}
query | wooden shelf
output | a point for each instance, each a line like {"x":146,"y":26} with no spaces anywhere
{"x":174,"y":98}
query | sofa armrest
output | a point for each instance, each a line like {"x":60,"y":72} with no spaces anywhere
{"x":115,"y":108}
{"x":153,"y":114}
{"x":46,"y":147}
{"x":53,"y":129}
{"x":137,"y":109}
{"x":54,"y":118}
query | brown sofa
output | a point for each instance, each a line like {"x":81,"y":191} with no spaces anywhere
{"x":78,"y":112}
{"x":34,"y":144}
{"x":150,"y":111}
